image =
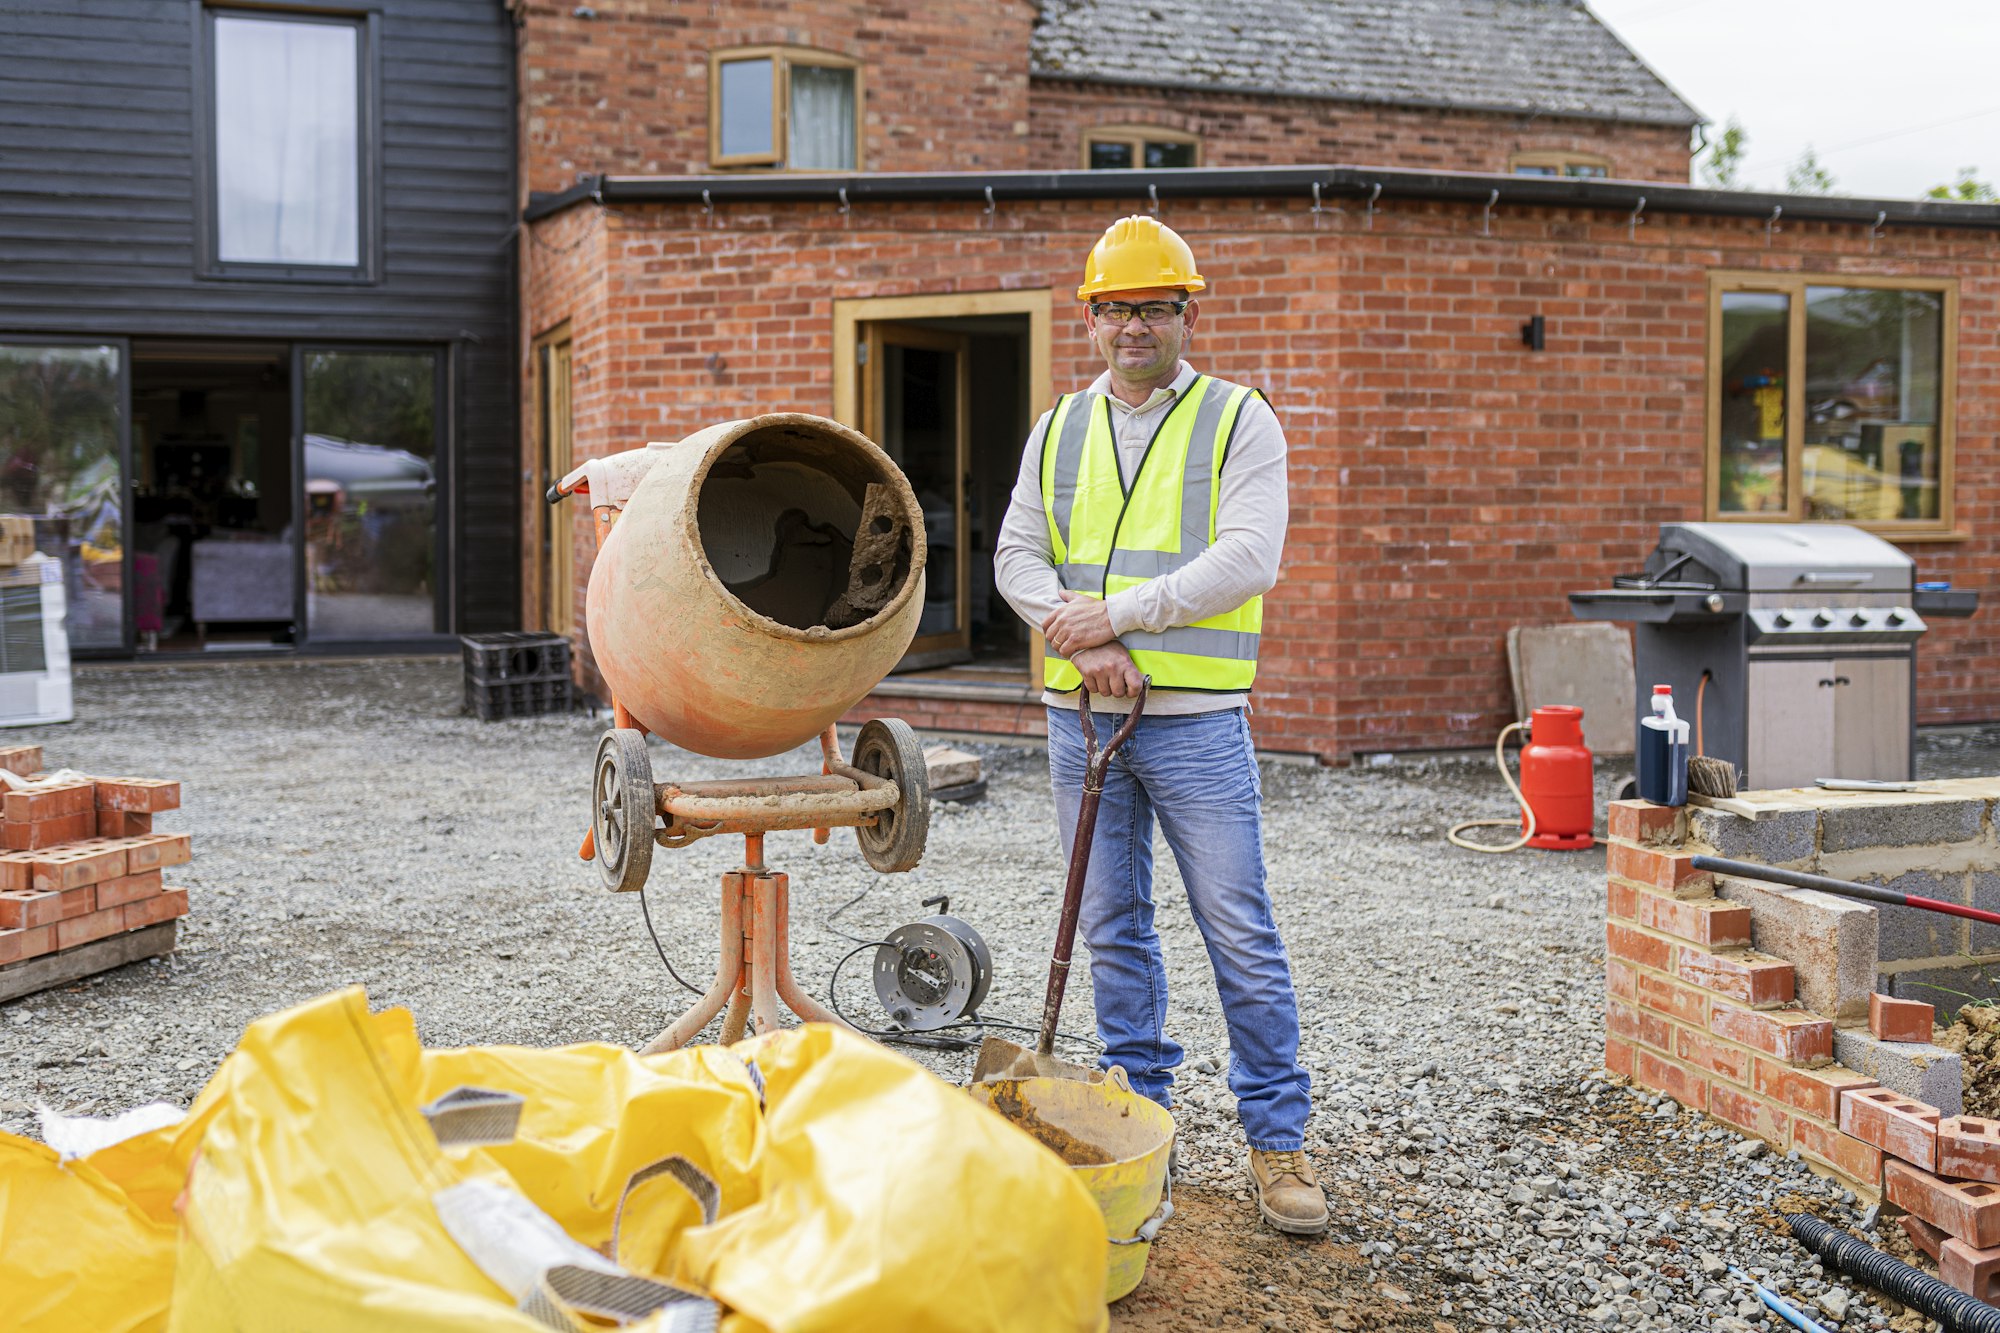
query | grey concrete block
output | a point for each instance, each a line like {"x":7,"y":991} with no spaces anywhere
{"x":1780,"y":838}
{"x":1830,"y":942}
{"x":1930,"y":1074}
{"x":1985,"y":894}
{"x":1947,"y":987}
{"x":1905,"y":823}
{"x":1911,"y":932}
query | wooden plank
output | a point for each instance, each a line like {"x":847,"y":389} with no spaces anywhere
{"x":56,"y":969}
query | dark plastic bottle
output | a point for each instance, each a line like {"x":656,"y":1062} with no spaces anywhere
{"x":1663,"y":752}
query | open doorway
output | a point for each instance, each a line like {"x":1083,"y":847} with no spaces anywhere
{"x":949,"y":387}
{"x":212,"y":531}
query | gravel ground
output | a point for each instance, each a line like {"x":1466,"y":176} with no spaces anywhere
{"x":351,"y":827}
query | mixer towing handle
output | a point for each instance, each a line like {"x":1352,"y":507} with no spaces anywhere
{"x":611,"y":480}
{"x":576,"y":483}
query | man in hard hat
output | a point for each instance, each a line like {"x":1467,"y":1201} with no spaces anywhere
{"x":1146,"y":526}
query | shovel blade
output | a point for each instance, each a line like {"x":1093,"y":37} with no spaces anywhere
{"x":1003,"y":1059}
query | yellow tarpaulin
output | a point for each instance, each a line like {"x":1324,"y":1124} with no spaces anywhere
{"x":823,"y":1184}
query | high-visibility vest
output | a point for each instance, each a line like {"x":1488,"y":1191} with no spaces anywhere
{"x":1106,"y":538}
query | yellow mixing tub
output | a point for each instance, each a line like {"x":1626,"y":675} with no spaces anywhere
{"x":1118,"y":1143}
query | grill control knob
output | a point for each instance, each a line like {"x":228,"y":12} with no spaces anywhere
{"x":1783,"y":620}
{"x":1822,"y":618}
{"x":1713,"y":601}
{"x":1895,"y":617}
{"x":1859,"y":619}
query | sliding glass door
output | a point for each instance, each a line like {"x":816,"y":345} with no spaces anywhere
{"x":64,"y":456}
{"x":370,"y":425}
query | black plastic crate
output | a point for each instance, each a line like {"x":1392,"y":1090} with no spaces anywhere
{"x":492,"y":700}
{"x":522,"y":656}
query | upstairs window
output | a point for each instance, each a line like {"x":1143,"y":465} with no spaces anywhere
{"x":1586,"y":166}
{"x":287,"y":188}
{"x":784,"y":107}
{"x":1111,"y":147}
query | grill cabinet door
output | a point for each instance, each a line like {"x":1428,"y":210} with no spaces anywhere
{"x":1791,"y":723}
{"x":1871,"y":718}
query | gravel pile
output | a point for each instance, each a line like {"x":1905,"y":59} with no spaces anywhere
{"x":350,"y":827}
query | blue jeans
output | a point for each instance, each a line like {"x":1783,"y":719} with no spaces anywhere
{"x":1198,"y":775}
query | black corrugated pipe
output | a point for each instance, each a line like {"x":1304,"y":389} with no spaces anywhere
{"x":1959,"y":1312}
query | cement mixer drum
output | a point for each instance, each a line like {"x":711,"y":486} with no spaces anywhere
{"x":763,"y":577}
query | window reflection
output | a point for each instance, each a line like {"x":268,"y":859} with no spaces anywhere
{"x":59,"y":461}
{"x":745,"y":97}
{"x":287,"y":142}
{"x":1871,"y":403}
{"x":1755,"y":338}
{"x":371,"y":493}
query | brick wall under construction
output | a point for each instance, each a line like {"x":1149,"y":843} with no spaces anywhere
{"x":1799,"y":1017}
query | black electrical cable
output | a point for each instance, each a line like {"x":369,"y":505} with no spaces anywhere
{"x":661,"y":949}
{"x":924,"y":1040}
{"x":828,"y":922}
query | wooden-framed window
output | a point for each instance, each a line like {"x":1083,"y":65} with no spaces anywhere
{"x":1831,"y":397}
{"x":1554,"y":162}
{"x":786,"y":108}
{"x":1110,"y":147}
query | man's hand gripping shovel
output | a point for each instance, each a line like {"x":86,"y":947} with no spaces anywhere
{"x":1002,"y":1059}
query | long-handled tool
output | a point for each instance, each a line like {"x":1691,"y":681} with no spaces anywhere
{"x":1845,"y":888}
{"x":999,"y":1058}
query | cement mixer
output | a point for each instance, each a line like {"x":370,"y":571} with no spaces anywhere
{"x":753,"y":582}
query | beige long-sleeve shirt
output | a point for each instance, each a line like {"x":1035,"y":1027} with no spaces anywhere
{"x":1250,"y":514}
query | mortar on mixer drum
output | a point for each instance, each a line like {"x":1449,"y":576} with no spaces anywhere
{"x":752,"y":584}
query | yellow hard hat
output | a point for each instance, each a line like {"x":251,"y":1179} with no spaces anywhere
{"x":1136,"y":253}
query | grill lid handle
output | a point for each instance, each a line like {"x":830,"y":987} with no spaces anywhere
{"x":1817,"y":576}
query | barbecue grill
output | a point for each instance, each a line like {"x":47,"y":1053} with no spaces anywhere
{"x":1792,"y":646}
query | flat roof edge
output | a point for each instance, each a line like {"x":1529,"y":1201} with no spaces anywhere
{"x":1333,"y":182}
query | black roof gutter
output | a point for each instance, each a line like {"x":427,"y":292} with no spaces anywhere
{"x":1332,"y":182}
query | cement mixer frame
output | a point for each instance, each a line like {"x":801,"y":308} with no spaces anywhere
{"x":882,"y":792}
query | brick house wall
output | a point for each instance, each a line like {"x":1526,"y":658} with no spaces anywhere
{"x":625,"y":91}
{"x":1447,"y":483}
{"x":1243,"y":130}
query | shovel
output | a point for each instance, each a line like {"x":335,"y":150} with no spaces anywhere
{"x":1003,"y":1059}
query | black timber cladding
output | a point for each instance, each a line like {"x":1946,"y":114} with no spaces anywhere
{"x":98,"y":215}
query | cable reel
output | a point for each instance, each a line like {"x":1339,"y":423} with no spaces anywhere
{"x":933,"y":972}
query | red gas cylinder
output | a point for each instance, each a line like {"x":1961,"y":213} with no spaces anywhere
{"x":1556,"y":780}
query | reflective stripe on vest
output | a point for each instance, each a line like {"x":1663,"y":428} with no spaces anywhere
{"x":1106,"y":538}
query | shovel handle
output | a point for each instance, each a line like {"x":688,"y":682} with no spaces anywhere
{"x":1096,"y":761}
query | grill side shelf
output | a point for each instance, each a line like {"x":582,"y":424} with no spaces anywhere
{"x":1955,"y":602}
{"x":1656,"y":607}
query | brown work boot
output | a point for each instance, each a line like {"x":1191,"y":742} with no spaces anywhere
{"x":1288,"y":1193}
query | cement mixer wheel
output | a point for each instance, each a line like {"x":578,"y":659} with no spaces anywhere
{"x":888,"y":748}
{"x":623,"y":807}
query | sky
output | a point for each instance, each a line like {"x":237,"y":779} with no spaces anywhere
{"x":1894,"y":97}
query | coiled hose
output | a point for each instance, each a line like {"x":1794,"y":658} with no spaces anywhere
{"x":1527,"y":811}
{"x":1958,"y":1312}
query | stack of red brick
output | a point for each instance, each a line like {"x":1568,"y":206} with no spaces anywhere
{"x":1694,"y":1012}
{"x":81,"y":861}
{"x":1945,"y":1170}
